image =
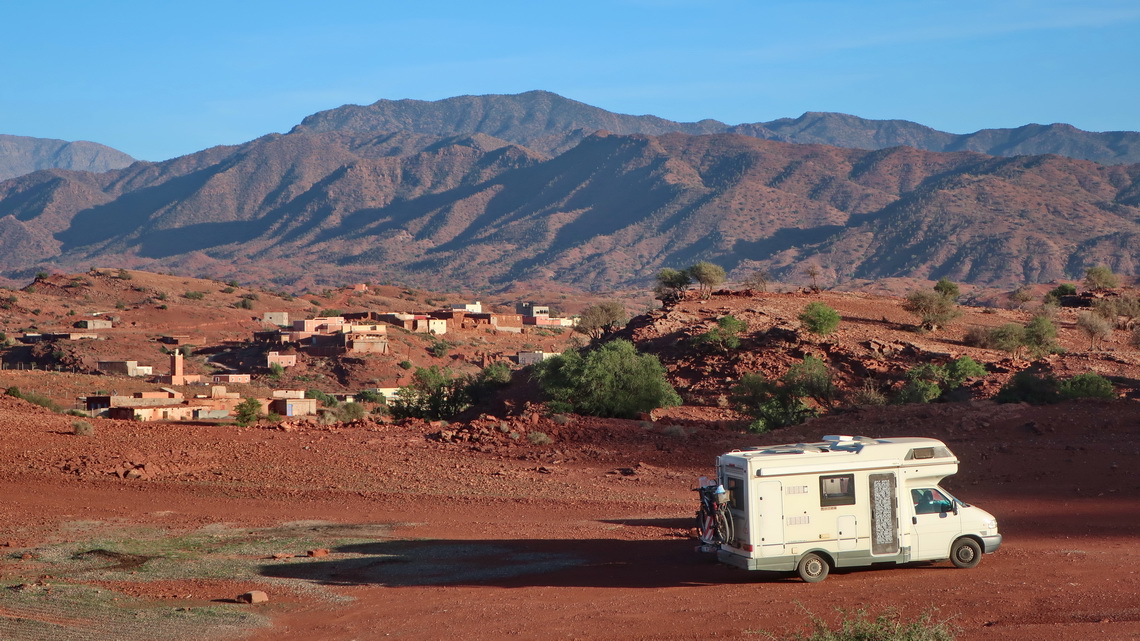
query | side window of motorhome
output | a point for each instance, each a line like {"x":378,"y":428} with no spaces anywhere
{"x":735,"y":489}
{"x":929,"y":500}
{"x":837,"y":490}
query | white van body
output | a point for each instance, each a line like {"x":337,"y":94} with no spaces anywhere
{"x":848,"y":501}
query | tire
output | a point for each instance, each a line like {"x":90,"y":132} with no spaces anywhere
{"x":724,"y":525}
{"x":965,"y":553}
{"x":813,"y":568}
{"x":704,"y":533}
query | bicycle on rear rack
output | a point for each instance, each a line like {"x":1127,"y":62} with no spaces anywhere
{"x":714,"y":520}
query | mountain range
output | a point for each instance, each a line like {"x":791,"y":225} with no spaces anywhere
{"x":482,"y":191}
{"x":21,"y":155}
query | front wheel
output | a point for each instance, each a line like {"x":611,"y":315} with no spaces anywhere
{"x":813,"y":568}
{"x":965,"y":553}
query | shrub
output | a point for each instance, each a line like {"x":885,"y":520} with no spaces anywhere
{"x":488,"y":381}
{"x":859,"y":626}
{"x":35,"y":399}
{"x":1101,"y":277}
{"x":83,"y":428}
{"x":434,"y":394}
{"x":244,"y":303}
{"x":276,"y":371}
{"x":770,"y":404}
{"x":869,"y":394}
{"x":248,"y":411}
{"x":228,"y":290}
{"x":194,"y":295}
{"x":725,"y":336}
{"x":932,"y":308}
{"x":370,"y":396}
{"x":1008,"y":338}
{"x":539,"y":438}
{"x":440,"y":348}
{"x":350,"y":412}
{"x":612,"y":380}
{"x":811,"y":378}
{"x":326,"y":399}
{"x":1089,"y":385}
{"x":759,"y":279}
{"x":819,"y":318}
{"x":1026,"y":387}
{"x":123,"y":275}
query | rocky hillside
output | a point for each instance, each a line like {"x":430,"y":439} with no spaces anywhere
{"x":550,"y":123}
{"x":21,"y":155}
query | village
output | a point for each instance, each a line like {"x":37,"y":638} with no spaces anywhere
{"x":180,"y":395}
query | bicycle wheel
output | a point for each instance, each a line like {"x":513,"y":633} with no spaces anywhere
{"x":724,"y":524}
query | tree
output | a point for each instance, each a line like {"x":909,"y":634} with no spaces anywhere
{"x":433,"y":394}
{"x":708,"y":275}
{"x":759,"y":279}
{"x":1020,"y":296}
{"x":1100,"y":278}
{"x":1041,"y":336}
{"x":933,"y":309}
{"x":812,"y":272}
{"x":1009,"y":337}
{"x":671,"y":285}
{"x":601,"y":320}
{"x":725,"y":336}
{"x":947,"y":288}
{"x":1095,"y":327}
{"x":248,"y":411}
{"x":612,"y":380}
{"x":492,"y":378}
{"x":819,"y":318}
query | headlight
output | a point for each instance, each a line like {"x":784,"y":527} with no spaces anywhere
{"x":989,"y":523}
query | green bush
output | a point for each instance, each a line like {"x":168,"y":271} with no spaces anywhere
{"x":612,"y":380}
{"x":492,"y":378}
{"x":947,"y":288}
{"x":1090,"y":385}
{"x":771,"y":404}
{"x":350,"y":412}
{"x":194,"y":295}
{"x":276,"y":371}
{"x":811,"y":378}
{"x":248,"y":411}
{"x":434,"y":394}
{"x":1064,"y":289}
{"x":1026,"y":387}
{"x":405,"y":364}
{"x":725,"y":336}
{"x":819,"y":318}
{"x":326,"y":399}
{"x":1009,"y":337}
{"x":1041,"y":336}
{"x":35,"y":399}
{"x":928,"y":382}
{"x":1101,"y":277}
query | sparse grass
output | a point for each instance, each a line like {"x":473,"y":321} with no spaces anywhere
{"x":888,"y":626}
{"x":539,"y":438}
{"x":83,"y":428}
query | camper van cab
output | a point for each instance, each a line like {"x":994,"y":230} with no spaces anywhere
{"x":848,"y":501}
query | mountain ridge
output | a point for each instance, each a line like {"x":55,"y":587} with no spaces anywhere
{"x":21,"y":155}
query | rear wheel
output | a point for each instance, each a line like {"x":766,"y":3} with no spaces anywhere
{"x":813,"y":568}
{"x":724,"y":524}
{"x":965,"y":553}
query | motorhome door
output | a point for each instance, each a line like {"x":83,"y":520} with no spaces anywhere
{"x":884,"y":513}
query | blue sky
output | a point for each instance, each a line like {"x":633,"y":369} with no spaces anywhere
{"x":158,"y":79}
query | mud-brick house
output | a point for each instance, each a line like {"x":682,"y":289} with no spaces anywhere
{"x":280,"y":319}
{"x":417,"y":323}
{"x":229,"y":378}
{"x":174,"y":412}
{"x":93,"y":323}
{"x":533,"y":357}
{"x":293,"y":406}
{"x":124,"y":368}
{"x":471,"y":308}
{"x":502,"y":322}
{"x":156,"y":398}
{"x":532,"y":309}
{"x":284,"y":359}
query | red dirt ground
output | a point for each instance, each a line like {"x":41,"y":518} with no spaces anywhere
{"x":588,"y":537}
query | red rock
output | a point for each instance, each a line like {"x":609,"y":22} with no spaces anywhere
{"x":318,"y":552}
{"x":253,"y":596}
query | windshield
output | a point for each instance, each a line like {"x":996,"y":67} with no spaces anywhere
{"x":933,"y":500}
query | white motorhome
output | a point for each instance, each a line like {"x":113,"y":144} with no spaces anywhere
{"x":848,"y":501}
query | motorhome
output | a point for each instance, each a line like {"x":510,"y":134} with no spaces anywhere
{"x":847,"y":501}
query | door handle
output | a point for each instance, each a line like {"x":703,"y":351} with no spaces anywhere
{"x":914,"y":520}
